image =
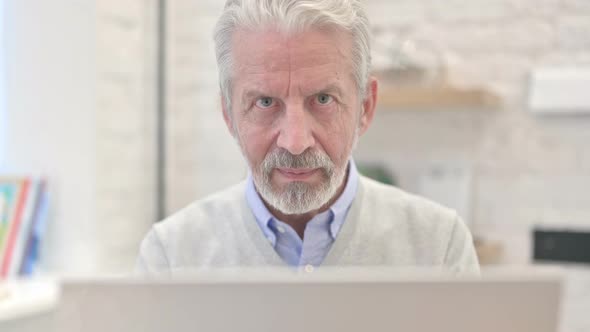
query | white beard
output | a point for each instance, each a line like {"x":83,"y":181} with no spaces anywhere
{"x":298,"y":197}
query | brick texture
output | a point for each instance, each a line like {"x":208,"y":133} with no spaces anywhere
{"x":125,"y":126}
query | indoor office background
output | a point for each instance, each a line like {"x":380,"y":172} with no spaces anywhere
{"x":116,"y":103}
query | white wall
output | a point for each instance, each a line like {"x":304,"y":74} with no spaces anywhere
{"x":51,"y":109}
{"x":202,"y":155}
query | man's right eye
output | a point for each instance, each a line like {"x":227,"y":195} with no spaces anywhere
{"x":265,"y":102}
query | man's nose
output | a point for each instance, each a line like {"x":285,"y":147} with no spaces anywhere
{"x":296,"y":134}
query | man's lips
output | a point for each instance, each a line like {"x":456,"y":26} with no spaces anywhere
{"x":297,"y":173}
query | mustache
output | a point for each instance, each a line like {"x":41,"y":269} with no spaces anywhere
{"x":281,"y":158}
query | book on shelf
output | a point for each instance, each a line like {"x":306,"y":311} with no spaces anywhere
{"x":23,"y":213}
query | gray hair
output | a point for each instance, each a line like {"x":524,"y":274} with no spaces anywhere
{"x":291,"y":16}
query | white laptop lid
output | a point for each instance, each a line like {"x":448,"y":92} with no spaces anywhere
{"x":339,"y":300}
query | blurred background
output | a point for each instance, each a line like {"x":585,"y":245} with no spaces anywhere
{"x":111,"y":110}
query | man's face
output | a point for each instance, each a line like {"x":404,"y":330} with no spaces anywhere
{"x":296,"y":114}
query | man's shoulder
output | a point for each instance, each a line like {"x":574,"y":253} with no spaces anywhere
{"x":427,"y":232}
{"x":205,"y":213}
{"x":189,"y":237}
{"x":389,"y":200}
{"x":394,"y":196}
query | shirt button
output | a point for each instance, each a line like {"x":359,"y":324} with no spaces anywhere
{"x":281,"y":229}
{"x":308,"y":268}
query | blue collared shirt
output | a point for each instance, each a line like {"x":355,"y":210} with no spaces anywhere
{"x":320,"y":232}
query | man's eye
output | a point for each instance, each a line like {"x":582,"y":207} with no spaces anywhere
{"x":324,"y":99}
{"x":265,"y":102}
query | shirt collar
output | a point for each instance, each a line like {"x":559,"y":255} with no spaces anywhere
{"x":338,"y":210}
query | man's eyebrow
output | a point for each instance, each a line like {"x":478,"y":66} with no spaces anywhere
{"x":249,"y":94}
{"x":331,"y":89}
{"x":253,"y":93}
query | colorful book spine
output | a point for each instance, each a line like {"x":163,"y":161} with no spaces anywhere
{"x":25,"y":227}
{"x":10,"y":188}
{"x":3,"y":206}
{"x":31,"y":255}
{"x":23,"y":212}
{"x":14,"y":227}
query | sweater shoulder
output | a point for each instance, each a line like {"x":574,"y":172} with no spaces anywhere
{"x":405,"y":223}
{"x":204,"y":215}
{"x":421,"y":212}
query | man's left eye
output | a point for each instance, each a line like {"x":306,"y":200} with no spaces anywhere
{"x":324,"y":99}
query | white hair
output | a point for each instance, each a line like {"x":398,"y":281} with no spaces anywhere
{"x":292,"y":16}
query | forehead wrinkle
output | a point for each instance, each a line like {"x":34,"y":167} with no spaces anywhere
{"x":316,"y":59}
{"x":331,"y":87}
{"x":289,"y":75}
{"x":256,"y":59}
{"x":263,"y":68}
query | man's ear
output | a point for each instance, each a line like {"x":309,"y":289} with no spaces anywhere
{"x":369,"y":105}
{"x":227,"y":116}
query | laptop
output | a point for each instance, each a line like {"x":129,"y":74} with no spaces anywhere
{"x":343,"y":300}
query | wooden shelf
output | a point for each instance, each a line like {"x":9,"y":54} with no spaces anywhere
{"x":442,"y":97}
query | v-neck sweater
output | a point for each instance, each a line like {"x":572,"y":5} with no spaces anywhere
{"x":385,"y":227}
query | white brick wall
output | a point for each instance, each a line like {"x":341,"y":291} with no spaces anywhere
{"x":485,"y":43}
{"x":573,"y":32}
{"x":125,"y":126}
{"x":202,"y":156}
{"x":465,"y":11}
{"x":577,"y":6}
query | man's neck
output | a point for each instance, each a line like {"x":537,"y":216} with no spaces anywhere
{"x":299,"y":221}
